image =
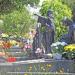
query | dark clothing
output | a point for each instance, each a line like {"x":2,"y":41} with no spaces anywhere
{"x":69,"y":37}
{"x":47,"y":36}
{"x":48,"y":39}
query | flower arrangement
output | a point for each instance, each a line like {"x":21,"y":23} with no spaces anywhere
{"x":70,"y":47}
{"x":58,"y":47}
{"x":69,"y":51}
{"x":27,"y":50}
{"x":6,"y":45}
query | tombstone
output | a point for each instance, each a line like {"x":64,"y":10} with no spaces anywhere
{"x":47,"y":35}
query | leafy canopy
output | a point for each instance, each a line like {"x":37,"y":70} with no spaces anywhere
{"x":70,"y":3}
{"x":9,"y":5}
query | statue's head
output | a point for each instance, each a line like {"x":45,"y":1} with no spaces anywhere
{"x":50,"y":13}
{"x":66,"y":21}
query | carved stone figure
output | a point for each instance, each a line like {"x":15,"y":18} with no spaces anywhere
{"x":47,"y":35}
{"x":70,"y":36}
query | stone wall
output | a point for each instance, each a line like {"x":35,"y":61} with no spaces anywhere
{"x":38,"y":67}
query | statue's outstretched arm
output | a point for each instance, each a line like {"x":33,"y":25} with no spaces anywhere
{"x":41,"y":19}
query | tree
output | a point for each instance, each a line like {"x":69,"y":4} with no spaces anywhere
{"x":60,"y":11}
{"x":70,"y":3}
{"x":9,"y":5}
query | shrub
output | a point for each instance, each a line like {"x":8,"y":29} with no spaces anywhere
{"x":17,"y":22}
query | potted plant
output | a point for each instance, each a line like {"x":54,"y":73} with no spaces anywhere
{"x":69,"y":51}
{"x":57,"y":49}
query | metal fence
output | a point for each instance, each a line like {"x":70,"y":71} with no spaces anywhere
{"x":38,"y":67}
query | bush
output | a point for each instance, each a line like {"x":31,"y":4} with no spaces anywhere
{"x":17,"y":22}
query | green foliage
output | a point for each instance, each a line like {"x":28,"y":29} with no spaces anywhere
{"x":70,"y":3}
{"x":9,"y":5}
{"x":60,"y":11}
{"x":15,"y":17}
{"x":17,"y":22}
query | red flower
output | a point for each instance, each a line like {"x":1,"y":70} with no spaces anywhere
{"x":11,"y":59}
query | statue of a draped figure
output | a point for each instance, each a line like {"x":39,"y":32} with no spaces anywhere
{"x":47,"y":36}
{"x":69,"y":38}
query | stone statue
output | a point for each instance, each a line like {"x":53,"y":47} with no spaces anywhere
{"x":48,"y":34}
{"x":69,"y":38}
